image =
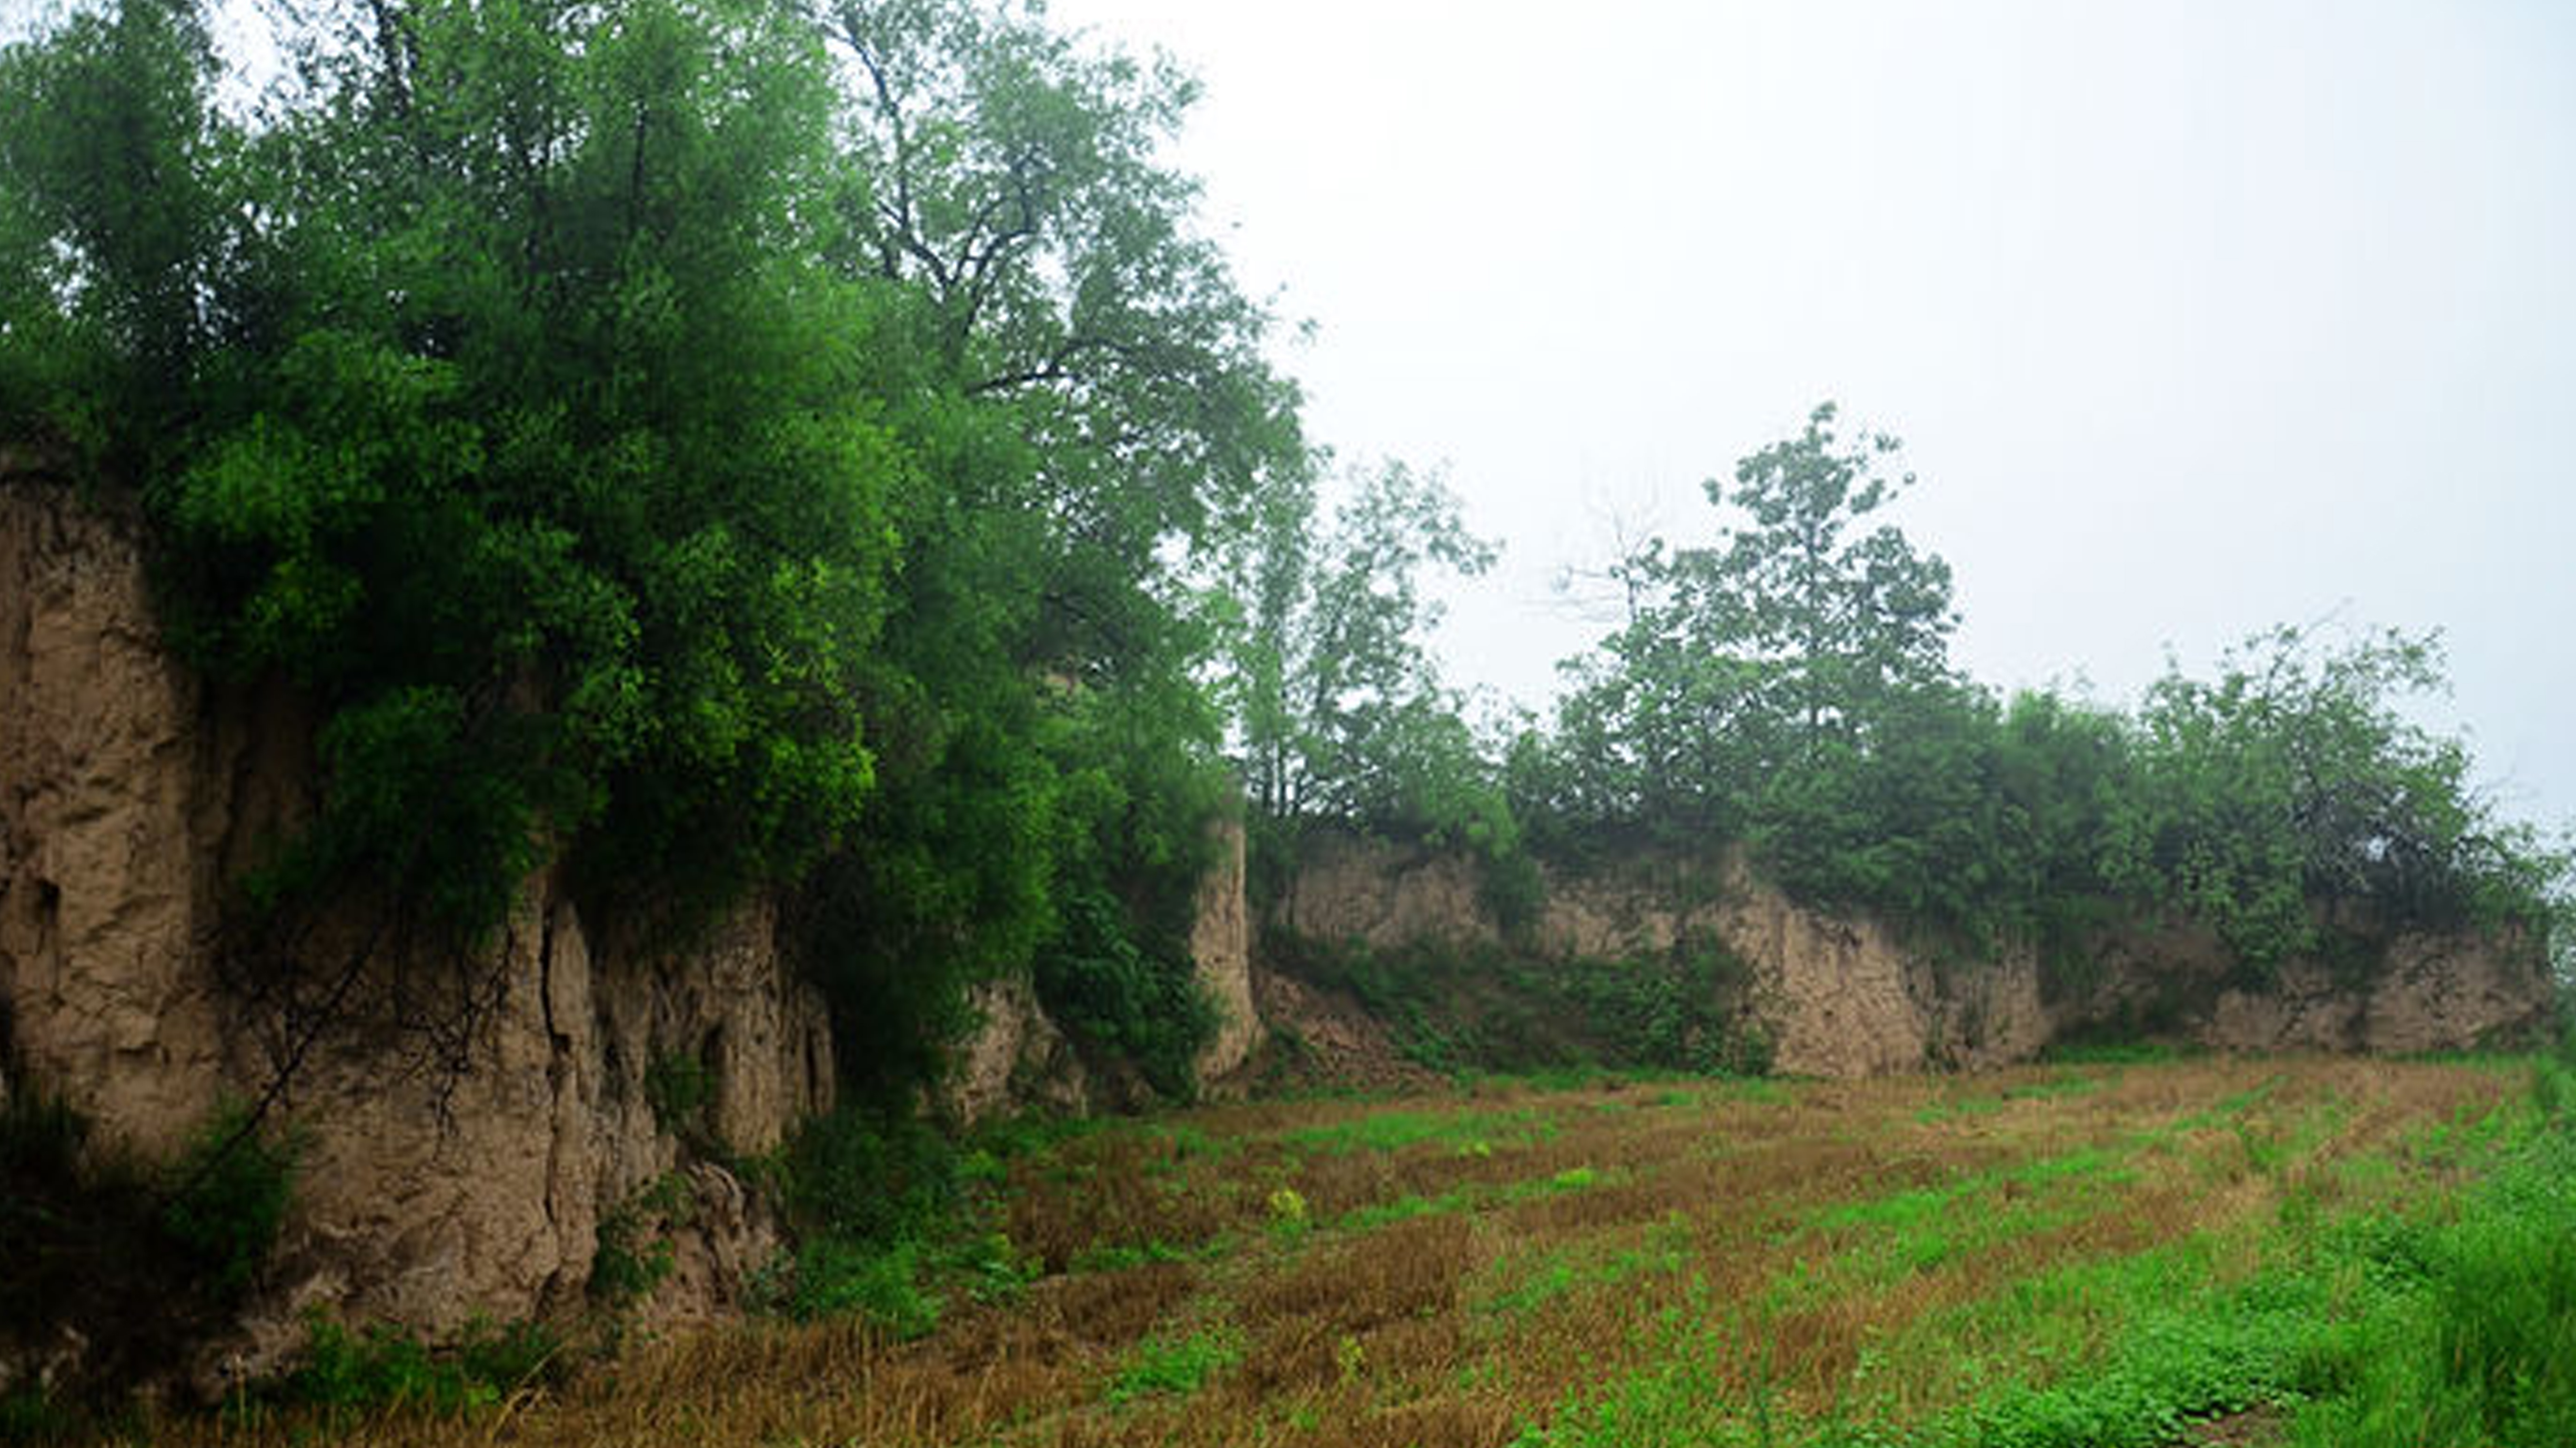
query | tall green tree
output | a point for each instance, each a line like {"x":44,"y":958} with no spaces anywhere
{"x":1344,"y":715}
{"x":1748,"y":667}
{"x":1836,"y":614}
{"x":716,"y":443}
{"x":540,"y":465}
{"x":1013,"y":184}
{"x":1085,"y":385}
{"x":118,"y":224}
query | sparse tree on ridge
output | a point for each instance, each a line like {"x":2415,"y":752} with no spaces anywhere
{"x":1345,"y":716}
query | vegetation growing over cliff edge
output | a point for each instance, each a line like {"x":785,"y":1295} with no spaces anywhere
{"x":1786,"y":685}
{"x":716,"y":444}
{"x":811,"y":447}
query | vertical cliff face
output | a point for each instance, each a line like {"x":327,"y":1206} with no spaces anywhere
{"x":1847,"y":996}
{"x":1221,"y":948}
{"x":101,"y":766}
{"x":1831,"y":996}
{"x":1018,"y":1059}
{"x":130,"y":792}
{"x":429,"y":1199}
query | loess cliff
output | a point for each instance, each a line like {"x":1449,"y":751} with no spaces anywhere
{"x":431,"y":1193}
{"x":131,"y":791}
{"x":436,"y":1183}
{"x":1843,"y":996}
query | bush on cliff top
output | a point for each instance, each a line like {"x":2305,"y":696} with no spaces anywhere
{"x":1788,"y":686}
{"x":643,"y":449}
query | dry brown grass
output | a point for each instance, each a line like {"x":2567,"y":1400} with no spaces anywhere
{"x":1539,"y":1259}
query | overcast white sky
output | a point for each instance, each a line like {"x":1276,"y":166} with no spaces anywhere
{"x":2197,"y":315}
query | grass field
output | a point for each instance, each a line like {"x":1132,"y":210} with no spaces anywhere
{"x":2201,"y":1251}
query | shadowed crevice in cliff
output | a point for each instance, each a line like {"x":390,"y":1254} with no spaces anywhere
{"x":118,"y":1266}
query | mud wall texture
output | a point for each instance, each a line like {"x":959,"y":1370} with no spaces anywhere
{"x":131,"y":791}
{"x":1848,"y":996}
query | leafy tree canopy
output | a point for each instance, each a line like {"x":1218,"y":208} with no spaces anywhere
{"x":1788,"y":688}
{"x":1344,"y":712}
{"x":712,"y":442}
{"x":1786,"y":642}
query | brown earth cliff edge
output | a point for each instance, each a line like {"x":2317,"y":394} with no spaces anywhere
{"x":131,"y":791}
{"x":1847,"y":995}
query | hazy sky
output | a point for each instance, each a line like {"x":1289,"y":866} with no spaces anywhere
{"x":2196,"y":317}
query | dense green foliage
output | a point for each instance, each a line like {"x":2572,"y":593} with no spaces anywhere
{"x":228,"y":1199}
{"x":479,"y":415}
{"x":348,"y":1375}
{"x":712,"y":443}
{"x":2293,"y":782}
{"x":1789,"y":688}
{"x":892,"y":1216}
{"x":1495,"y":1010}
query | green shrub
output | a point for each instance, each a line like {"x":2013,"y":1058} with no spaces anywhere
{"x":622,"y":1269}
{"x":634,"y":1251}
{"x":1511,"y":887}
{"x":2553,"y":1088}
{"x":1494,"y":1008}
{"x":991,"y":1268}
{"x":1175,"y":1365}
{"x":47,"y":1194}
{"x":891,"y":1215}
{"x":384,"y":1368}
{"x":29,"y":1414}
{"x":139,"y":1260}
{"x":1288,"y":1214}
{"x":232,"y":1186}
{"x":888,"y":1212}
{"x":197,"y":1227}
{"x":678,"y":1086}
{"x":882,"y":1283}
{"x":1116,"y":994}
{"x":873,"y":1177}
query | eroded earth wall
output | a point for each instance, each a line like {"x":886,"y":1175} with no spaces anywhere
{"x":130,"y":791}
{"x":1848,"y":996}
